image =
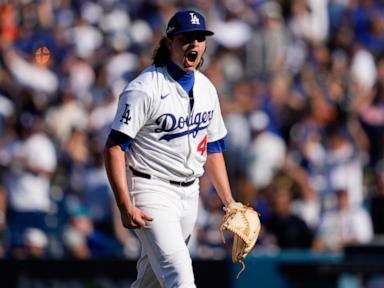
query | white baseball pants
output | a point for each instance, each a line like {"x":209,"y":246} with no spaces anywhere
{"x":165,"y":260}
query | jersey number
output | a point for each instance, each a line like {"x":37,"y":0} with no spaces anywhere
{"x":202,"y":147}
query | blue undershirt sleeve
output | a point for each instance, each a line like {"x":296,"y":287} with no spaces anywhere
{"x":216,"y":147}
{"x":124,"y":141}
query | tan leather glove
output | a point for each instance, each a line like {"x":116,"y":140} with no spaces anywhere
{"x":244,"y":222}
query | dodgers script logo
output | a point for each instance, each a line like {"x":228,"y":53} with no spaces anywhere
{"x":191,"y":123}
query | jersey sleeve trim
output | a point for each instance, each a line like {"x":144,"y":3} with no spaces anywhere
{"x":121,"y":139}
{"x":216,"y":146}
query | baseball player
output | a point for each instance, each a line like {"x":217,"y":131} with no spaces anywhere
{"x":168,"y":127}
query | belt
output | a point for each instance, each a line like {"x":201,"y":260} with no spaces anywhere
{"x":147,"y":176}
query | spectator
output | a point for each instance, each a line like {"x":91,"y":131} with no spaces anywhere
{"x":306,"y":202}
{"x":286,"y":230}
{"x":343,"y":226}
{"x":369,"y":107}
{"x":75,"y":235}
{"x":344,"y":168}
{"x":75,"y":244}
{"x":237,"y":140}
{"x":265,"y":54}
{"x":31,"y":165}
{"x":35,"y":244}
{"x":67,"y":115}
{"x":83,"y":241}
{"x":266,"y":152}
{"x":309,"y":20}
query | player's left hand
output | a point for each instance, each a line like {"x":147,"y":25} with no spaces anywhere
{"x":244,"y":223}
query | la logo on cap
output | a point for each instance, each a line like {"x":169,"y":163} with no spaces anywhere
{"x":194,"y":19}
{"x":185,"y":22}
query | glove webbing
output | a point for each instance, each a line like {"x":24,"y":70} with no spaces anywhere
{"x":229,"y":214}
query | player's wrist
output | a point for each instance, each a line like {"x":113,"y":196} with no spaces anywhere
{"x":125,"y":206}
{"x":229,"y":202}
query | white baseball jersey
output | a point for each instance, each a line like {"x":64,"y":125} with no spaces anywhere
{"x":170,"y":138}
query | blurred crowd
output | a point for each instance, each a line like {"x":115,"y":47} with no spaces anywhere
{"x":301,"y":84}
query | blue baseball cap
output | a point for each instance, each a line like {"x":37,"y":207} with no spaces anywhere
{"x":187,"y":21}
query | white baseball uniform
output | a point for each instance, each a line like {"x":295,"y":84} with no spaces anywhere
{"x":170,"y":143}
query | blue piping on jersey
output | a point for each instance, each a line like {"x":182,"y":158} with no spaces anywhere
{"x":216,"y":147}
{"x":185,"y":79}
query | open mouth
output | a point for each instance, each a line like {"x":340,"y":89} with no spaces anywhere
{"x":191,"y":55}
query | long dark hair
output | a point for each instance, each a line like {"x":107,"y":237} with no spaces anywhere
{"x":162,"y":55}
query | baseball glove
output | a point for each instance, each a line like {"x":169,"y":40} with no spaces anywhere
{"x":243,"y":221}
